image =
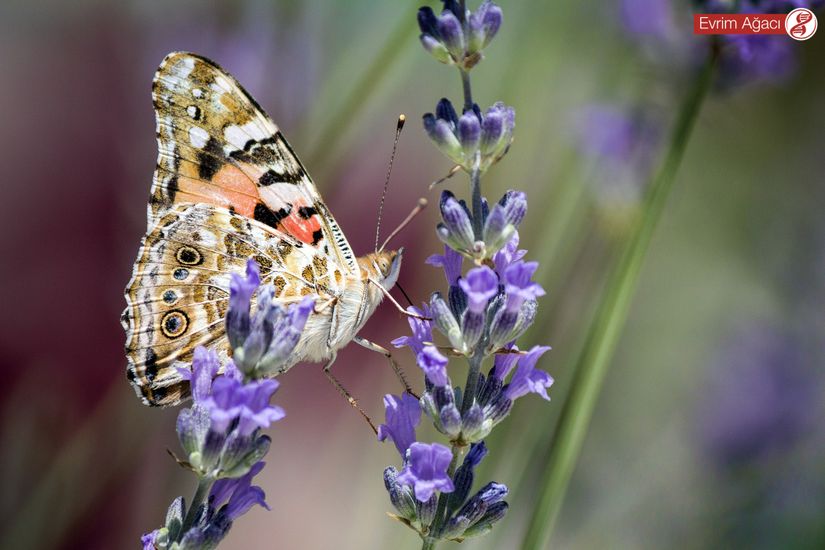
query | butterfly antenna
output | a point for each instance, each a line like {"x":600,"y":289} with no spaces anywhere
{"x":401,"y":120}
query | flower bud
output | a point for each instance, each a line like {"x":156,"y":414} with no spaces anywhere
{"x":451,"y":33}
{"x":445,"y":321}
{"x":457,"y":228}
{"x":443,"y":136}
{"x":483,"y":25}
{"x":469,"y":133}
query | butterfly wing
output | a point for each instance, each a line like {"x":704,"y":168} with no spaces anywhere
{"x":227,"y":187}
{"x":216,"y":146}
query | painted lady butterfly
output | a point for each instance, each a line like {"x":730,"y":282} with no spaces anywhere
{"x":228,"y":187}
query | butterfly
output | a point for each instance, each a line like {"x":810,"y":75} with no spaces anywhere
{"x":228,"y":187}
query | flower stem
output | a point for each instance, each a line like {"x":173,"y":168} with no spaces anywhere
{"x":204,"y":484}
{"x":478,"y":216}
{"x":429,"y":544}
{"x":610,"y":318}
{"x":468,"y":91}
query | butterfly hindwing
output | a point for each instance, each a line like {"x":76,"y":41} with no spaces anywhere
{"x":179,"y":292}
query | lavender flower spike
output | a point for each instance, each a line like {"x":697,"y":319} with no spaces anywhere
{"x":426,"y":470}
{"x":403,"y":415}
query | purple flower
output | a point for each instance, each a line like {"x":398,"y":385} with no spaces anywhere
{"x":238,"y":495}
{"x":497,"y":127}
{"x":483,"y":25}
{"x":504,"y":362}
{"x":527,"y":378}
{"x":518,"y":286}
{"x":248,"y":403}
{"x":149,"y":540}
{"x":426,"y":470}
{"x":480,"y":285}
{"x":205,"y":366}
{"x":434,"y":366}
{"x":761,"y":399}
{"x":402,"y":416}
{"x":422,"y":331}
{"x":507,"y":255}
{"x":503,"y":220}
{"x":241,"y":289}
{"x":474,"y":140}
{"x":648,"y":17}
{"x":456,"y":230}
{"x":755,"y":59}
{"x":286,"y":329}
{"x":451,"y":262}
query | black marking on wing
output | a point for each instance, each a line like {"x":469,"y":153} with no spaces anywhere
{"x":209,"y":160}
{"x":317,"y":235}
{"x":268,"y":178}
{"x":264,"y":215}
{"x":306,"y":212}
{"x":151,"y":364}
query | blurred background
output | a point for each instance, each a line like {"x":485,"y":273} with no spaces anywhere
{"x":708,"y":432}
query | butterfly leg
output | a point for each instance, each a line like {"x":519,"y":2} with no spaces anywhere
{"x":372,"y":346}
{"x":350,"y":399}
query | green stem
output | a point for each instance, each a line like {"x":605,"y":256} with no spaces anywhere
{"x":468,"y":91}
{"x":610,"y":319}
{"x":478,"y":217}
{"x":429,"y":544}
{"x":204,"y":484}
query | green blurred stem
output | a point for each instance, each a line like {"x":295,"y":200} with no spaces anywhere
{"x":610,"y":318}
{"x":204,"y":485}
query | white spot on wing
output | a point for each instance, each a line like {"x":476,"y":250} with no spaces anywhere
{"x":237,"y":136}
{"x":198,"y":137}
{"x":197,"y":92}
{"x":192,"y":111}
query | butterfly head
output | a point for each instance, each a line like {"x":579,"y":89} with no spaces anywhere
{"x":383,"y":266}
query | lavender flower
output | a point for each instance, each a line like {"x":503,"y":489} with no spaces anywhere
{"x":403,"y":415}
{"x":445,"y":37}
{"x":480,"y":285}
{"x":221,"y":431}
{"x":527,"y":379}
{"x":422,"y":331}
{"x":262,"y":343}
{"x":476,"y":140}
{"x":426,"y":470}
{"x":434,"y":366}
{"x":450,"y":261}
{"x":485,"y":310}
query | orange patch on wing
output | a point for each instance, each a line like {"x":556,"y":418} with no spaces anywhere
{"x":230,"y":186}
{"x":298,"y":227}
